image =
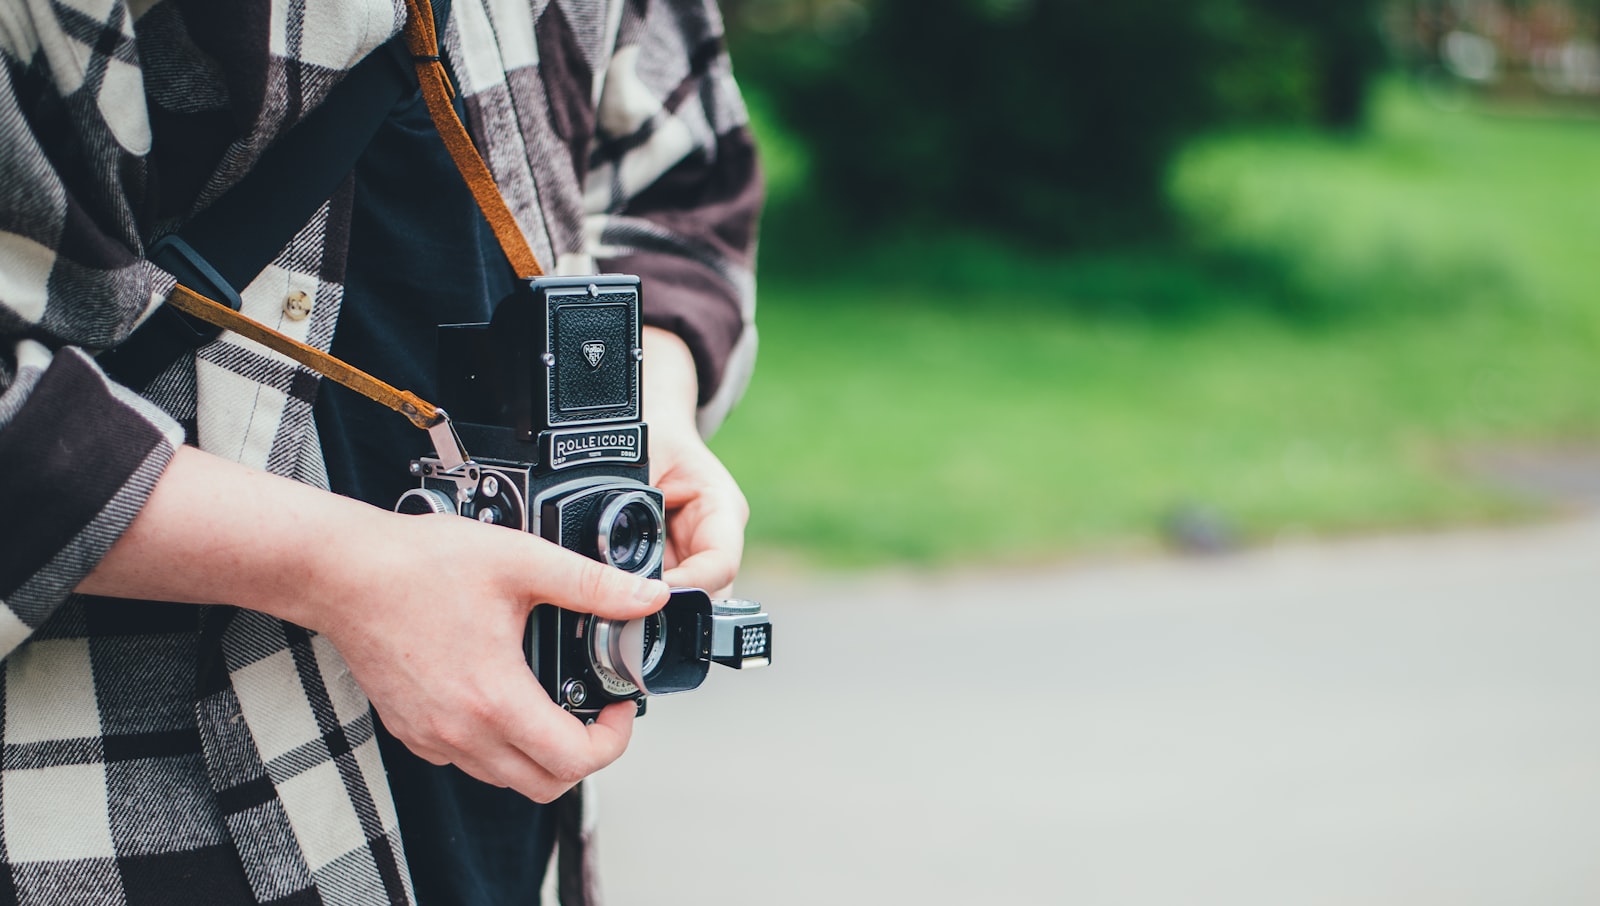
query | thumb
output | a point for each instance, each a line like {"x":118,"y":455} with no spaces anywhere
{"x":575,"y":582}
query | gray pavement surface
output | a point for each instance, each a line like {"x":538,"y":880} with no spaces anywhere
{"x":1395,"y":721}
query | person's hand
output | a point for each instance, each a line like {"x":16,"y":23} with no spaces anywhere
{"x":428,"y":611}
{"x":436,"y":643}
{"x":706,"y":511}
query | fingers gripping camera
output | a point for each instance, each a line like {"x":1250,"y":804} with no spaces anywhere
{"x":548,"y":394}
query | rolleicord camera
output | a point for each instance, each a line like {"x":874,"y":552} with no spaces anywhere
{"x":547,"y":395}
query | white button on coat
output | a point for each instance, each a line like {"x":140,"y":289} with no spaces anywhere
{"x":297,"y":305}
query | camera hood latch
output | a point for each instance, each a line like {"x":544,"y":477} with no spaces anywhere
{"x":447,"y":443}
{"x":455,"y":463}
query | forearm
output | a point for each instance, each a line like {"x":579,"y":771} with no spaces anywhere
{"x":214,"y":531}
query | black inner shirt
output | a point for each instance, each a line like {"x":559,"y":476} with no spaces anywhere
{"x":421,"y":254}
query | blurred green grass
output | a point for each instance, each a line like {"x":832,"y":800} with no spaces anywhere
{"x":1342,"y":319}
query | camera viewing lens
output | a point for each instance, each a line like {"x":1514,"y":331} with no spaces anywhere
{"x":624,"y":544}
{"x":629,"y":532}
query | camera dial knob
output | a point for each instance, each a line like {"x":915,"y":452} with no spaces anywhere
{"x":424,"y":501}
{"x":575,"y":693}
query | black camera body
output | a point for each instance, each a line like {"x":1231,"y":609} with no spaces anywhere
{"x":548,"y":396}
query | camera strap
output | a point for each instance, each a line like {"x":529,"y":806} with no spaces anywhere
{"x":436,"y":92}
{"x":422,"y":43}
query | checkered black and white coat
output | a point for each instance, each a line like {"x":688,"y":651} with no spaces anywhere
{"x":150,"y":751}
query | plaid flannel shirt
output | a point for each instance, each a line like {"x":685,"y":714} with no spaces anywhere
{"x":148,"y":750}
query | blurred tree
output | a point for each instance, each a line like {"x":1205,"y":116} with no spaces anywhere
{"x":1345,"y":52}
{"x":1048,"y":119}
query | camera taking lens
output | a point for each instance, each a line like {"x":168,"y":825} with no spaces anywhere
{"x":673,"y":650}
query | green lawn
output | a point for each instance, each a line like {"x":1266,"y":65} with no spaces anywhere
{"x":1344,"y":319}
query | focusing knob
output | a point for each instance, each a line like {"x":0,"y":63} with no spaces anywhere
{"x":424,"y":502}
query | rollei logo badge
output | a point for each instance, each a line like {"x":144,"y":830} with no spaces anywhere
{"x":567,"y":448}
{"x":593,"y":352}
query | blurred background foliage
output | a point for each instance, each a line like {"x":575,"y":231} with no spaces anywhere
{"x":1041,"y":277}
{"x":1047,"y":121}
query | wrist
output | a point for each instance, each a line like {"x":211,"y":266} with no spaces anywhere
{"x":672,"y":386}
{"x":322,"y":577}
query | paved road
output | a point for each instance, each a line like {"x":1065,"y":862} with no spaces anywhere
{"x":1406,"y":721}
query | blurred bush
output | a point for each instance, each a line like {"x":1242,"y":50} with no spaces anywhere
{"x":1050,"y":120}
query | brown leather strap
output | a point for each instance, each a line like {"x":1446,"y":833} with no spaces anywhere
{"x":421,"y":413}
{"x":436,"y":92}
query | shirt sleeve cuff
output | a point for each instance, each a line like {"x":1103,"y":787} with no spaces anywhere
{"x":79,"y":456}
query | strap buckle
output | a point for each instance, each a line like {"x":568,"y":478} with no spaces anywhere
{"x":177,"y":257}
{"x":169,"y":334}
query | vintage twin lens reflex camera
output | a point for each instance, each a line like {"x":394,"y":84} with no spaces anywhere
{"x":547,"y":397}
